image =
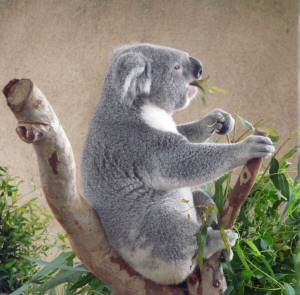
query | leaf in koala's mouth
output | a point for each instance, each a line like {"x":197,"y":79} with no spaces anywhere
{"x":198,"y":84}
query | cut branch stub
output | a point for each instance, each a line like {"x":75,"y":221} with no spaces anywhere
{"x":38,"y":124}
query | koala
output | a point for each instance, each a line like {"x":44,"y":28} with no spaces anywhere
{"x":138,"y":165}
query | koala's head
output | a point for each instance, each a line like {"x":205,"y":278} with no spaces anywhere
{"x":159,"y":75}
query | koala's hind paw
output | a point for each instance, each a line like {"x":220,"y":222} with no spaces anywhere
{"x":231,"y":236}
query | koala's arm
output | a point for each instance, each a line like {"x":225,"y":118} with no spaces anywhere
{"x":188,"y":164}
{"x":199,"y":131}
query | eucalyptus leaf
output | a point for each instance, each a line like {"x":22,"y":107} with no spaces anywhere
{"x":224,"y":238}
{"x":59,"y":279}
{"x":241,"y":255}
{"x":288,"y":155}
{"x":245,"y":274}
{"x":229,"y":290}
{"x":214,"y":89}
{"x":201,"y":238}
{"x":58,"y":266}
{"x":289,"y":289}
{"x":256,"y":252}
{"x":246,"y":123}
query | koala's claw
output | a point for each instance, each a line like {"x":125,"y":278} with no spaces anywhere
{"x":259,"y":146}
{"x":231,"y":236}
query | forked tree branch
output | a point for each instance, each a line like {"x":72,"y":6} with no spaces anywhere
{"x":38,"y":124}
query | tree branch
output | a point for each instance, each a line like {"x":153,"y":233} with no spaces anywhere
{"x":211,"y":281}
{"x":38,"y":124}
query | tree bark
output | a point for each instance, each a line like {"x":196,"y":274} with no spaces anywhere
{"x":38,"y":125}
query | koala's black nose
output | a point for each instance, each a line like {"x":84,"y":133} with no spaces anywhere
{"x":196,"y":67}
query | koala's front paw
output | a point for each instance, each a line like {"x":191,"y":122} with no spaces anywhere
{"x":220,"y":121}
{"x":257,"y":147}
{"x":231,"y":236}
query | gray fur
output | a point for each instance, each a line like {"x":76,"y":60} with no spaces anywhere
{"x":137,"y":167}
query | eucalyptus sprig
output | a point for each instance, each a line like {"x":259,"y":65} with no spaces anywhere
{"x":203,"y":85}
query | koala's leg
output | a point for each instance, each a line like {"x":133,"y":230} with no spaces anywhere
{"x":203,"y":202}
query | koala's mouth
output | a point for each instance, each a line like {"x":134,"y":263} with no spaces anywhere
{"x":192,"y":91}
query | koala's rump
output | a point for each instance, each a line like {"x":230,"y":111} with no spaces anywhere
{"x":149,"y":237}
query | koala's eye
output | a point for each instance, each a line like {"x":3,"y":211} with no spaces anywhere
{"x":177,"y":67}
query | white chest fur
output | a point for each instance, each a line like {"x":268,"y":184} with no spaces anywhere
{"x":158,"y":118}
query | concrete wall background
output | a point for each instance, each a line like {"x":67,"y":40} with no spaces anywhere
{"x":64,"y":46}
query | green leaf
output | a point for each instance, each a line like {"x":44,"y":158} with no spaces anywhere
{"x":59,"y":279}
{"x":10,"y":264}
{"x":288,"y":155}
{"x":21,"y":290}
{"x":213,"y":89}
{"x":201,"y":238}
{"x":229,"y":290}
{"x":224,"y":238}
{"x":83,"y":281}
{"x":256,"y":252}
{"x":241,"y":255}
{"x":284,"y":186}
{"x":219,"y":194}
{"x":266,"y":263}
{"x":198,"y":84}
{"x":245,"y":274}
{"x":273,"y":135}
{"x":279,"y":179}
{"x":57,"y":265}
{"x":273,"y":171}
{"x":246,"y":123}
{"x":264,"y":244}
{"x":48,"y":270}
{"x":245,"y":219}
{"x":289,"y":289}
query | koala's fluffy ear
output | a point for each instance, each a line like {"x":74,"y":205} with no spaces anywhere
{"x":134,"y":76}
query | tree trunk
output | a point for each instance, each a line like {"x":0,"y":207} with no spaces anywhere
{"x":38,"y":124}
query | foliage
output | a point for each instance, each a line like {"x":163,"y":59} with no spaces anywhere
{"x":24,"y":240}
{"x":22,"y":232}
{"x":64,"y":275}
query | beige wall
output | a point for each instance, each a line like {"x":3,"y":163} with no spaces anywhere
{"x":247,"y":47}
